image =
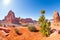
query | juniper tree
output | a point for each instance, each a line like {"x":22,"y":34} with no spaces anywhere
{"x":44,"y":24}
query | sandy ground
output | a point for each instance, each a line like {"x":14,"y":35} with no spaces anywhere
{"x":27,"y":35}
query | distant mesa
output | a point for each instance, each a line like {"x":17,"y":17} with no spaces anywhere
{"x":10,"y":18}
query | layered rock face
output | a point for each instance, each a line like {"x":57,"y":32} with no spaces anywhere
{"x":10,"y":18}
{"x":27,"y":20}
{"x":56,"y":17}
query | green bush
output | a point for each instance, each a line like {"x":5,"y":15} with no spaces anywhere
{"x":45,"y":29}
{"x":17,"y":31}
{"x":32,"y":28}
{"x":44,"y":24}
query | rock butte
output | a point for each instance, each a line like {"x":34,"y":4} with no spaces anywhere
{"x":56,"y":17}
{"x":10,"y":18}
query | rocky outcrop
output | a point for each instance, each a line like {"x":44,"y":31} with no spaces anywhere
{"x":10,"y":18}
{"x":16,"y":21}
{"x":56,"y":17}
{"x":28,"y":20}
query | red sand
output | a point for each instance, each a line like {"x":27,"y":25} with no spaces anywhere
{"x":26,"y":34}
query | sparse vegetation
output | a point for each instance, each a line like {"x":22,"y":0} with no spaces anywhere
{"x":32,"y":28}
{"x":17,"y":31}
{"x":44,"y":24}
{"x":41,"y":19}
{"x":42,"y":11}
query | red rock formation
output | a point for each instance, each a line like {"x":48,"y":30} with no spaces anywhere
{"x":29,"y":20}
{"x":17,"y":20}
{"x":56,"y":17}
{"x":26,"y":21}
{"x":10,"y":18}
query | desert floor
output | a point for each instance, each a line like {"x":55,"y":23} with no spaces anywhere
{"x":27,"y":35}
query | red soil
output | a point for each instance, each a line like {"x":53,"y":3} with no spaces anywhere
{"x":25,"y":34}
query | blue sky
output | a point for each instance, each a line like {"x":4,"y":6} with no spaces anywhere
{"x":30,"y":8}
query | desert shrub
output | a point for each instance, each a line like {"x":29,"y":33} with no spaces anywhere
{"x":32,"y":28}
{"x":45,"y":29}
{"x":17,"y":31}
